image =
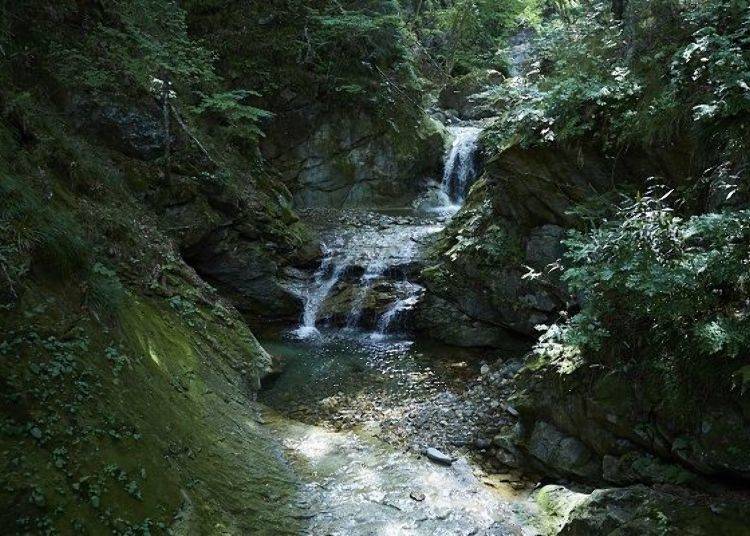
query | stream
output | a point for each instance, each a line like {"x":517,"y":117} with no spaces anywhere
{"x":359,"y":401}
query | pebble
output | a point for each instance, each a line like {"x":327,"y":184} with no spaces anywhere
{"x":482,"y":443}
{"x":436,"y":456}
{"x":510,"y":409}
{"x":417,"y":496}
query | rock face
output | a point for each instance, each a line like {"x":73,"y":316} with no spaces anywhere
{"x":613,"y":428}
{"x":555,"y":449}
{"x":350,"y":159}
{"x":489,"y":276}
{"x":239,"y":235}
{"x":240,"y":242}
{"x":638,"y":510}
{"x":136,"y":132}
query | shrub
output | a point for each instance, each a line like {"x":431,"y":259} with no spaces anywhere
{"x":661,"y":292}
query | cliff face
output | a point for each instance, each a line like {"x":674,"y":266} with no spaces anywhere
{"x":126,"y":377}
{"x":348,"y":158}
{"x":490,"y":276}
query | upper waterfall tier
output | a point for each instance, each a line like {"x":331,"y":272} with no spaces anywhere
{"x":460,"y":167}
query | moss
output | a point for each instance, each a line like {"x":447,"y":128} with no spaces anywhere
{"x":113,"y":429}
{"x":555,"y":504}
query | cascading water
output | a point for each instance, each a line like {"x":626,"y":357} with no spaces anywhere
{"x":460,"y":171}
{"x":412,"y":293}
{"x":326,"y":277}
{"x":373,"y":272}
{"x":382,"y":246}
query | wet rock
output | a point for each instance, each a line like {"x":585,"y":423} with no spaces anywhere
{"x":417,"y":496}
{"x":510,"y":368}
{"x":437,"y":456}
{"x":440,"y":319}
{"x":349,"y":159}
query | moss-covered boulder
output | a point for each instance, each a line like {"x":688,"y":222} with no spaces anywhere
{"x":637,"y":510}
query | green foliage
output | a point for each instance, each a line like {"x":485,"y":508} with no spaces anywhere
{"x":240,"y":120}
{"x":337,"y":53}
{"x":469,"y":34}
{"x":105,"y":293}
{"x":485,"y":242}
{"x":129,"y":46}
{"x":661,"y":291}
{"x":365,"y":56}
{"x":33,"y":233}
{"x":127,"y":52}
{"x":670,"y":69}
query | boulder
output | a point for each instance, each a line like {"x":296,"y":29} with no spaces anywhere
{"x":437,"y":456}
{"x":557,"y":451}
{"x":638,"y":510}
{"x":136,"y":131}
{"x":489,"y":273}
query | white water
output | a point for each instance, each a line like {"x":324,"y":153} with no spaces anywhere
{"x":382,"y":243}
{"x":401,"y":305}
{"x":373,"y":272}
{"x":460,"y":170}
{"x":326,"y":277}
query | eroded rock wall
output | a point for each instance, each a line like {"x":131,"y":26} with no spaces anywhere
{"x":490,"y":275}
{"x":348,"y":158}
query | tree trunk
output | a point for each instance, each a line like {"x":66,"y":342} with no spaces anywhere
{"x":166,"y":86}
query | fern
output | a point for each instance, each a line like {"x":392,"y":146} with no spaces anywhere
{"x":241,"y":120}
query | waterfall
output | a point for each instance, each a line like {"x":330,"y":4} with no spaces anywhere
{"x":459,"y":171}
{"x":373,"y":272}
{"x":412,"y":294}
{"x":324,"y":280}
{"x":363,"y":275}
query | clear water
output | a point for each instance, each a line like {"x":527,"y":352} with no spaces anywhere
{"x":353,"y":364}
{"x":354,"y":483}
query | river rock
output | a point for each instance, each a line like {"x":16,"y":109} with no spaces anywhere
{"x":417,"y":496}
{"x":437,"y":456}
{"x":553,"y":449}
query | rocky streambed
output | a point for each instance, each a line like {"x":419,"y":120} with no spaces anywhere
{"x":358,"y":403}
{"x":370,"y":425}
{"x":392,"y":434}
